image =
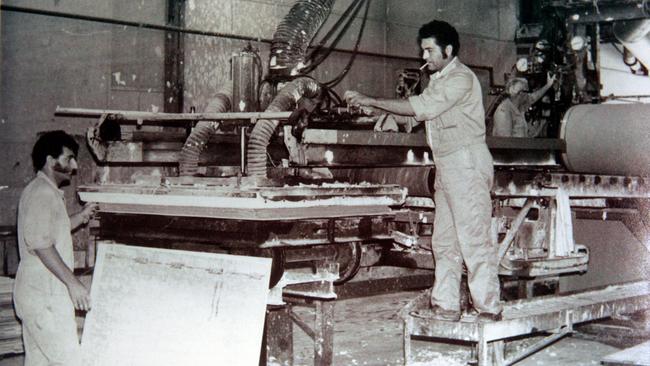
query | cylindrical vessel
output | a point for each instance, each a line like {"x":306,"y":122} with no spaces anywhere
{"x":607,"y":139}
{"x":245,"y":76}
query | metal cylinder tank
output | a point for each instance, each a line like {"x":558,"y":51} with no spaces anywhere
{"x":607,"y":139}
{"x":246,"y":68}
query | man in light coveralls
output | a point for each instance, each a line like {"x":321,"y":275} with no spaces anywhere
{"x":452,"y":108}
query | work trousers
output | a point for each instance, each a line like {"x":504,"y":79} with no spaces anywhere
{"x":461,"y":231}
{"x":49,"y":329}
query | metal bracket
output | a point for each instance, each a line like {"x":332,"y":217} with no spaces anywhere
{"x":296,"y":152}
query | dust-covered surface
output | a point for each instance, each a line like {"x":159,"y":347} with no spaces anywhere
{"x":367,"y":331}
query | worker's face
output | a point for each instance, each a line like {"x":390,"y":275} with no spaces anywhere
{"x":64,"y":166}
{"x":436,"y":57}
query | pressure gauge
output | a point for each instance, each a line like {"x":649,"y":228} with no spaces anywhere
{"x":522,"y":64}
{"x":577,"y":43}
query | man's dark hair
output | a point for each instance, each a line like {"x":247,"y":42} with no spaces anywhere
{"x":444,"y":33}
{"x":51,"y":143}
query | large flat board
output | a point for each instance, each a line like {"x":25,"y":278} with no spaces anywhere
{"x":168,"y":307}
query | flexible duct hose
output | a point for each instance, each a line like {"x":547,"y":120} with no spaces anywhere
{"x":295,"y":32}
{"x":264,"y":129}
{"x":188,"y":164}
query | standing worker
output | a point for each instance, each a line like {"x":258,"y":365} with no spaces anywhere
{"x":510,"y":115}
{"x":46,"y":291}
{"x":452,"y":108}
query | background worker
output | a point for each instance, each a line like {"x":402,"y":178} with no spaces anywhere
{"x":452,"y":108}
{"x":510,"y":116}
{"x":46,"y":292}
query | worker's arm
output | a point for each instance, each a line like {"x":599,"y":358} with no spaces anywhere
{"x":538,"y":94}
{"x":395,"y":106}
{"x":53,"y":262}
{"x":82,"y":217}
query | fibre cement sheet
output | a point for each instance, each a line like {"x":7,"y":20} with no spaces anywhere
{"x":168,"y":307}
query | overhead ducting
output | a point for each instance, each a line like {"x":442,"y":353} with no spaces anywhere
{"x":188,"y":163}
{"x":294,"y":34}
{"x":264,"y":129}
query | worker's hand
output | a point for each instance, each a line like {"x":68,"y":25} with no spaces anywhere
{"x":385,"y":123}
{"x":79,"y":295}
{"x":88,"y":211}
{"x":356,"y":99}
{"x":550,"y":78}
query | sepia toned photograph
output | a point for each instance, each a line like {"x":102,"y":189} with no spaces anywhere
{"x":324,"y":182}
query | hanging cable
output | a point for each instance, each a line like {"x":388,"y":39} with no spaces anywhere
{"x":347,"y":67}
{"x":321,"y":44}
{"x":314,"y":63}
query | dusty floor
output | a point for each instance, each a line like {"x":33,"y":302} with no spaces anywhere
{"x":368,"y":332}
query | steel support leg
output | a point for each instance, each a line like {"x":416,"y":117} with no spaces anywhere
{"x":407,"y":342}
{"x":277,"y":347}
{"x":324,"y":333}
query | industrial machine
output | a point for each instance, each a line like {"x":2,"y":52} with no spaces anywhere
{"x":309,"y":175}
{"x":309,"y":181}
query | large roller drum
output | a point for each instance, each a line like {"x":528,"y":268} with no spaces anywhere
{"x":609,"y":139}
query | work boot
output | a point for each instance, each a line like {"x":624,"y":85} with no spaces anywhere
{"x":438,"y":313}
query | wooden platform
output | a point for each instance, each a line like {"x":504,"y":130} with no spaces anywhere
{"x":552,"y":314}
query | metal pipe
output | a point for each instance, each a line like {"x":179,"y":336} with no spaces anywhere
{"x":599,"y":12}
{"x":634,"y":36}
{"x":536,"y":347}
{"x":242,"y":150}
{"x":158,"y":118}
{"x":516,"y":224}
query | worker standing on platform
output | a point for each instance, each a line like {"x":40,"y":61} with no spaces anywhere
{"x":452,"y":108}
{"x":46,"y":291}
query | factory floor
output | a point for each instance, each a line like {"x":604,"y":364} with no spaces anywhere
{"x":368,"y":332}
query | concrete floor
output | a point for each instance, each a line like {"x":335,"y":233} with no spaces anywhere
{"x":368,"y":332}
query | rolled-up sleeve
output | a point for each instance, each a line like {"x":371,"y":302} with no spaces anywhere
{"x":441,"y":97}
{"x":39,"y":221}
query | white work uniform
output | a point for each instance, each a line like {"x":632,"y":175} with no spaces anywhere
{"x":41,"y":300}
{"x":452,"y":107}
{"x":510,"y":121}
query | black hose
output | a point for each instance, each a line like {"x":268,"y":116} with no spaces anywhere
{"x":314,"y":59}
{"x":332,"y":83}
